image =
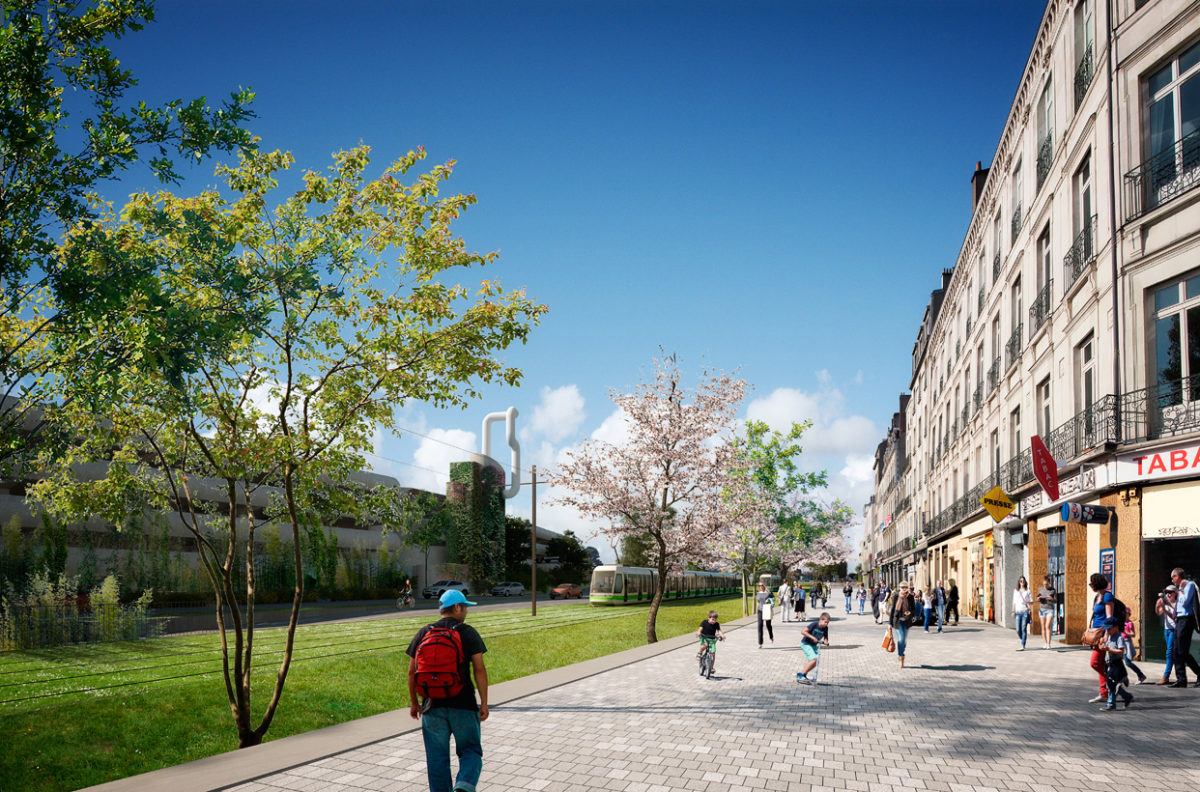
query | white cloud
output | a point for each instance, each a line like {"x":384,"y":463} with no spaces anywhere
{"x":434,"y":455}
{"x":614,"y":429}
{"x":560,"y":413}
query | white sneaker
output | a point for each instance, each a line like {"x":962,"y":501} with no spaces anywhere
{"x":1097,"y":700}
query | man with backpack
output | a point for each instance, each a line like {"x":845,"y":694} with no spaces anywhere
{"x":444,"y":656}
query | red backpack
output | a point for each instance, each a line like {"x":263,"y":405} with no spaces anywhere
{"x":439,"y":656}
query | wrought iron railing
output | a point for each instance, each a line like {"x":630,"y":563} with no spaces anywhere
{"x":1084,"y":71}
{"x":1163,"y":410}
{"x":977,"y":396}
{"x":996,"y":267}
{"x":1164,"y":176}
{"x":1016,"y":222}
{"x":979,"y":306}
{"x":993,"y":375}
{"x":969,"y":325}
{"x":1081,"y":254}
{"x":966,"y":415}
{"x":1039,"y":311}
{"x":958,"y":349}
{"x":1012,"y":350}
{"x":1045,"y":157}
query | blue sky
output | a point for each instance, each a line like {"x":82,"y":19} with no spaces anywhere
{"x":771,"y":187}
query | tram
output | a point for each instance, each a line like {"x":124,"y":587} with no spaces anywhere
{"x":622,"y":585}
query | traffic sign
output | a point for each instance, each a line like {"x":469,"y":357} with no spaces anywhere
{"x":1044,"y":467}
{"x":997,"y":503}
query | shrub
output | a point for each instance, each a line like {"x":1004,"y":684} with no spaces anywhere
{"x":46,"y":612}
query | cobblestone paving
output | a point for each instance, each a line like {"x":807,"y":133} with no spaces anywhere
{"x":968,"y":714}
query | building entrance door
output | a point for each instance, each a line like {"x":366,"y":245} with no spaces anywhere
{"x":1163,"y":555}
{"x":1056,"y":568}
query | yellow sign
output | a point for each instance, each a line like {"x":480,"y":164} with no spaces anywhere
{"x":997,"y":503}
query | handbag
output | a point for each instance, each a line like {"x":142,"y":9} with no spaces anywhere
{"x":1092,"y":636}
{"x":766,"y":611}
{"x":889,"y":644}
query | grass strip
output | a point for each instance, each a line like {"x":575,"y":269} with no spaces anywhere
{"x":64,"y":742}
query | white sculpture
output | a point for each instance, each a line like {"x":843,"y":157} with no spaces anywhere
{"x":509,"y":417}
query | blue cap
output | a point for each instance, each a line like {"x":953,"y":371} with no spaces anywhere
{"x":451,"y":598}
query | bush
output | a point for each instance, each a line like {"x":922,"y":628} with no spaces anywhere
{"x":47,"y":612}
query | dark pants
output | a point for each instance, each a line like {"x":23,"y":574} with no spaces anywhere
{"x":952,"y":608}
{"x":761,"y":622}
{"x":1184,"y":625}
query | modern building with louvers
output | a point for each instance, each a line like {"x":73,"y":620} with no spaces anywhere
{"x":1072,"y":313}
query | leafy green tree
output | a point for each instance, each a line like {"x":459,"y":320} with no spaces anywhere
{"x":428,"y":520}
{"x":635,"y":549}
{"x":367,"y":312}
{"x":573,"y":559}
{"x":516,"y":548}
{"x":54,"y":53}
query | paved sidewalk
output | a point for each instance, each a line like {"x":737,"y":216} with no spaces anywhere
{"x":969,"y":713}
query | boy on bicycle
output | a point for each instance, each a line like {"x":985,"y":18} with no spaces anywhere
{"x":710,"y":633}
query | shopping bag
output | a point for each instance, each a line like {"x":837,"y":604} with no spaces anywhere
{"x":889,"y":644}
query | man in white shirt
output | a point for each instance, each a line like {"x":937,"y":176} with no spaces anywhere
{"x":1186,"y":603}
{"x":785,"y":600}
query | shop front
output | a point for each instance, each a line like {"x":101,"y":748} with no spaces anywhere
{"x":980,"y":596}
{"x":1170,"y":539}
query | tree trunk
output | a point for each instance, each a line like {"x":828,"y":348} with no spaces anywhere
{"x":652,"y":616}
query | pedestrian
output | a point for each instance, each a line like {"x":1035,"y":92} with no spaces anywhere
{"x":875,"y":590}
{"x":1115,"y":649}
{"x":1187,"y":605}
{"x":885,"y":594}
{"x":847,"y":591}
{"x":939,"y":604}
{"x":927,"y":607}
{"x":904,"y":612}
{"x":1130,"y":633}
{"x":862,"y":598}
{"x":815,"y":635}
{"x":1102,"y":611}
{"x":766,"y":603}
{"x":1165,"y":608}
{"x":800,"y":608}
{"x":1022,"y":599}
{"x":1047,"y":605}
{"x":785,"y":600}
{"x":444,"y":655}
{"x":952,"y":602}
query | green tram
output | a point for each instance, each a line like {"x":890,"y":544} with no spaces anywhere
{"x":621,"y":585}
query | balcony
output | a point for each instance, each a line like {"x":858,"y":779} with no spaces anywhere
{"x":968,"y":327}
{"x":966,"y":415}
{"x":979,"y":308}
{"x":1085,"y":70}
{"x":1044,"y":158}
{"x":1040,"y":311}
{"x":995,"y":270}
{"x":1163,"y":177}
{"x":1012,"y":350}
{"x":1081,"y":254}
{"x":977,"y":396}
{"x":1163,"y":410}
{"x":993,"y":375}
{"x":1016,"y":222}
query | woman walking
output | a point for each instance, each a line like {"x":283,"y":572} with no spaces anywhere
{"x":766,"y":604}
{"x":1047,"y":604}
{"x":927,"y":605}
{"x":1102,"y":611}
{"x":875,"y":593}
{"x":1022,"y":599}
{"x":904,"y":611}
{"x":1165,"y":607}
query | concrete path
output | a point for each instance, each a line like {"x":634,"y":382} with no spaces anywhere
{"x":968,"y":714}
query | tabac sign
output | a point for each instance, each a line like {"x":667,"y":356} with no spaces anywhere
{"x":997,"y":503}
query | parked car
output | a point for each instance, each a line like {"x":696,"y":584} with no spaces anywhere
{"x":566,"y":590}
{"x":436,"y":590}
{"x":508,"y":589}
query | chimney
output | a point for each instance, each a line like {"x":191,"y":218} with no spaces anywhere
{"x":977,"y":182}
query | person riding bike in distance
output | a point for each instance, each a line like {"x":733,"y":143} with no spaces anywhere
{"x":405,"y":600}
{"x":710,"y":633}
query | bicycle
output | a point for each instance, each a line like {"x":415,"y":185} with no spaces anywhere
{"x":708,"y":656}
{"x":404,"y":601}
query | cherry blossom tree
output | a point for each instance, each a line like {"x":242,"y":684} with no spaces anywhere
{"x":668,"y":478}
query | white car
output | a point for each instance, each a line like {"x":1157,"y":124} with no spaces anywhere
{"x":436,"y":590}
{"x":509,"y":589}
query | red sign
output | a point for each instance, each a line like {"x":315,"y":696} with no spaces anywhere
{"x":1044,"y":467}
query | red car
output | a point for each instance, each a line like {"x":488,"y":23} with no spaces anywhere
{"x":566,"y":590}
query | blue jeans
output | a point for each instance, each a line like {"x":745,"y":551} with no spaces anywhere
{"x":900,"y":635}
{"x":847,"y":604}
{"x":928,"y":617}
{"x":1023,"y":626}
{"x":1170,"y":636}
{"x":941,"y":614}
{"x":436,"y":727}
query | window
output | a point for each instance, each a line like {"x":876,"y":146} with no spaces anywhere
{"x":1085,"y":390}
{"x":1040,"y":310}
{"x":1173,"y":128}
{"x":1084,"y":68}
{"x":1017,"y":191}
{"x":1176,"y":312}
{"x":995,"y":452}
{"x":1014,"y":432}
{"x":1045,"y":132}
{"x":996,"y":248}
{"x":1043,"y":407}
{"x":1016,"y":304}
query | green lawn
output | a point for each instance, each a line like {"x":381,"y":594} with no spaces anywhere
{"x":81,"y":715}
